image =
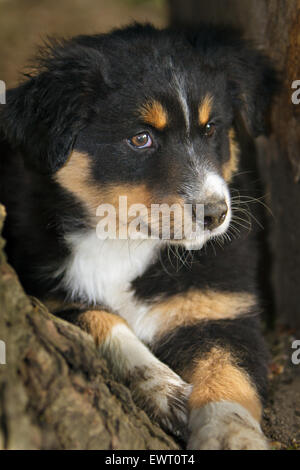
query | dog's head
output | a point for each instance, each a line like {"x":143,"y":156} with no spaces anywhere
{"x":145,"y":114}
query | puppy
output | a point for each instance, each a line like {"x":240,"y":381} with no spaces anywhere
{"x":152,"y":117}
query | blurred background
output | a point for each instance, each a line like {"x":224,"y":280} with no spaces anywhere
{"x":25,"y":23}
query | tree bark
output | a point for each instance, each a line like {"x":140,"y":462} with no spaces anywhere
{"x":274,"y":25}
{"x":55,"y":390}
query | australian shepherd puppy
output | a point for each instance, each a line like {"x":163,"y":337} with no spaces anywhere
{"x":106,"y":129}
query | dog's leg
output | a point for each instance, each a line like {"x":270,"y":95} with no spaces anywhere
{"x":225,"y":361}
{"x":225,"y":409}
{"x":155,"y":387}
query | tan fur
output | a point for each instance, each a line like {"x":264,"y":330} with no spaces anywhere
{"x":231,"y":166}
{"x":216,"y":377}
{"x":205,"y":110}
{"x":99,"y":324}
{"x":75,"y":176}
{"x":153,"y":113}
{"x":136,"y":194}
{"x":196,"y":305}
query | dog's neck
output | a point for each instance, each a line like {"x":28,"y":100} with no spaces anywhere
{"x":100,"y":272}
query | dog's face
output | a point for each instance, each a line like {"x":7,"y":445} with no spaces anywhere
{"x":144,"y":114}
{"x":164,"y":136}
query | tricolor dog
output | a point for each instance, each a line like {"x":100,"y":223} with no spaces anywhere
{"x":153,"y":116}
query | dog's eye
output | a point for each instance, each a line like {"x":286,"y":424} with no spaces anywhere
{"x":210,"y":129}
{"x":141,"y":141}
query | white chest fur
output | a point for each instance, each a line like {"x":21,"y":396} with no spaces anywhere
{"x":101,"y":271}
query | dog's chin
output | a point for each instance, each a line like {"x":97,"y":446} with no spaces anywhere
{"x":191,"y":244}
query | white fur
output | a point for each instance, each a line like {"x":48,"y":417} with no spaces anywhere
{"x":215,"y":185}
{"x":101,"y":271}
{"x":134,"y":352}
{"x":181,"y":93}
{"x":159,"y":383}
{"x":224,"y":425}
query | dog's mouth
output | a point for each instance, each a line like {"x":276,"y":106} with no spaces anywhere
{"x":190,"y":218}
{"x":200,"y":231}
{"x":188,"y":225}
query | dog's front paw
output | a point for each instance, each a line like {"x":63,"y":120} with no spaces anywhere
{"x":164,"y":395}
{"x":224,"y":426}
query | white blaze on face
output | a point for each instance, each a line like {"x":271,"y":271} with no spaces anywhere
{"x":213,"y":188}
{"x":180,"y":87}
{"x":216,"y":188}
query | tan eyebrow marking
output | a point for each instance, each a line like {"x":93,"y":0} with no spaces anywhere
{"x":204,"y":110}
{"x":153,"y":113}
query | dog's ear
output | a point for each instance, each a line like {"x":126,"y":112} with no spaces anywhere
{"x":252,"y":80}
{"x":43,"y":115}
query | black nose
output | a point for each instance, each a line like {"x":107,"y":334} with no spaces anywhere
{"x":214,"y":214}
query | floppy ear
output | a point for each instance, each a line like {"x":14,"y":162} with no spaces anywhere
{"x":43,"y":115}
{"x":252,"y":81}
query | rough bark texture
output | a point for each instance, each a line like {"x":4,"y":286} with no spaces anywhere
{"x":275,"y":26}
{"x":55,"y":390}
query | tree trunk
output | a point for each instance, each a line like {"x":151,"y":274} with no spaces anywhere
{"x":55,"y":390}
{"x":275,"y":26}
